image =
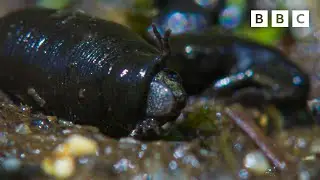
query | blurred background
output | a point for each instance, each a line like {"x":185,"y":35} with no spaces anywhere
{"x":231,"y":16}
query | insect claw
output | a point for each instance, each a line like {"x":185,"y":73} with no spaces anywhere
{"x":166,"y":44}
{"x":162,"y":41}
{"x":157,"y":35}
{"x":144,"y":127}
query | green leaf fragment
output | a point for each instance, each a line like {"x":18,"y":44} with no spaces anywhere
{"x":268,"y":35}
{"x":57,"y":4}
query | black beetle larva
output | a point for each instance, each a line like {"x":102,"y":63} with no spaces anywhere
{"x":87,"y":70}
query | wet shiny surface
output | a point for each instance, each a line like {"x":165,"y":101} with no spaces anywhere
{"x":79,"y":65}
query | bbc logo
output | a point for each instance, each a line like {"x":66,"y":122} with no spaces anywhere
{"x":280,"y":18}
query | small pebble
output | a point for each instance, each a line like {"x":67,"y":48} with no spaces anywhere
{"x":243,"y":174}
{"x":78,"y":145}
{"x":3,"y":138}
{"x":123,"y":165}
{"x":128,"y":140}
{"x":128,"y":143}
{"x":66,"y":131}
{"x":23,"y":129}
{"x":315,"y":146}
{"x":256,"y":162}
{"x":304,"y":175}
{"x":65,"y":123}
{"x":52,"y":118}
{"x":11,"y":164}
{"x":62,"y":150}
{"x":62,"y":167}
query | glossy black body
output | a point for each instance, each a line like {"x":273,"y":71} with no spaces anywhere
{"x":87,"y":70}
{"x":203,"y":59}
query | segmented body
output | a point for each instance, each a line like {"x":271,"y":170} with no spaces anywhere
{"x":82,"y":68}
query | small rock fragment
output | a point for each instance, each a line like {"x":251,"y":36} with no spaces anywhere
{"x":62,"y":150}
{"x":62,"y":167}
{"x":11,"y":164}
{"x":128,"y":140}
{"x":62,"y":163}
{"x":123,"y":165}
{"x":52,"y":118}
{"x":67,"y":131}
{"x":3,"y":138}
{"x":256,"y":162}
{"x":315,"y":146}
{"x":65,"y":123}
{"x":78,"y":145}
{"x":23,"y":129}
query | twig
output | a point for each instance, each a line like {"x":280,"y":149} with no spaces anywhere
{"x":253,"y":131}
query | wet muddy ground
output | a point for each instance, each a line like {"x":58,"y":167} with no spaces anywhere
{"x":42,"y":147}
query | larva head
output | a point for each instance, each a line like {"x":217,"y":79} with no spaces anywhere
{"x":166,"y":95}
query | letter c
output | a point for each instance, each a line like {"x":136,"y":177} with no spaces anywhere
{"x":299,"y":17}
